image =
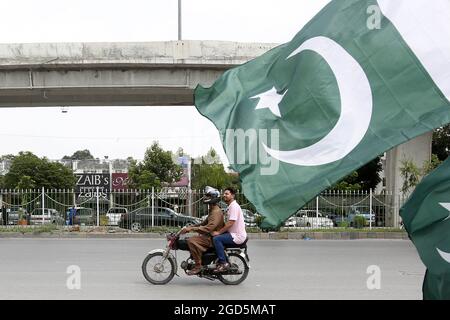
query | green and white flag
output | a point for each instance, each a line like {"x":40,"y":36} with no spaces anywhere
{"x":361,"y":77}
{"x":426,"y":217}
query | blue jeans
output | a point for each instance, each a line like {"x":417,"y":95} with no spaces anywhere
{"x":219,"y":242}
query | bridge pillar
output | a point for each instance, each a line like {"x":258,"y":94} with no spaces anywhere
{"x":418,"y":151}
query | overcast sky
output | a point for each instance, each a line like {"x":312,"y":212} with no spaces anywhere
{"x":119,"y":132}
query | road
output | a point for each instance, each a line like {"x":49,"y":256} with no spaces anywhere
{"x":280,"y":269}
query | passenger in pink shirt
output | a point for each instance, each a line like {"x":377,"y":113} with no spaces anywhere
{"x":233,"y":233}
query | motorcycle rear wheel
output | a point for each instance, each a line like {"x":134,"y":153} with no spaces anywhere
{"x":238,"y":262}
{"x":157,"y":271}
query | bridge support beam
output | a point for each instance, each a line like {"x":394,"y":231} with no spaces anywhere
{"x":115,"y":74}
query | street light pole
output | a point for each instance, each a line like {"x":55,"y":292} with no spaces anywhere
{"x":179,"y":21}
{"x":43,"y":206}
{"x":110,"y":169}
{"x":189,"y":187}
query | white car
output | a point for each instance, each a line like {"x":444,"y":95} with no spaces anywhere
{"x":114,"y":215}
{"x":291,"y":222}
{"x":50,"y":216}
{"x":312,"y":219}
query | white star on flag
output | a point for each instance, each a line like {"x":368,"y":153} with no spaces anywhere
{"x":270,"y":100}
{"x":446,"y":206}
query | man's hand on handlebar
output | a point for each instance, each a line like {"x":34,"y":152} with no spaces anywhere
{"x":186,"y":230}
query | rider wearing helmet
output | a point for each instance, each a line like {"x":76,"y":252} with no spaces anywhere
{"x":214,"y":222}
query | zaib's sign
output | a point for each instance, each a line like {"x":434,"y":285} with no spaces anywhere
{"x":87,"y":184}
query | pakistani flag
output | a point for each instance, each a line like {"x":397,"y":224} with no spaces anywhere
{"x":361,"y":77}
{"x":426,"y":217}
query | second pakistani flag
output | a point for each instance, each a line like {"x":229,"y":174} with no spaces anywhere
{"x":361,"y":77}
{"x":426,"y":217}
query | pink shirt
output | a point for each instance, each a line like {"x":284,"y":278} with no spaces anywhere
{"x":237,"y":230}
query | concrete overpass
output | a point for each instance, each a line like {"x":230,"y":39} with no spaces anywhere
{"x":115,"y":74}
{"x":142,"y":74}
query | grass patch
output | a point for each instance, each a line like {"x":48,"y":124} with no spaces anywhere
{"x":161,"y":230}
{"x":48,"y":228}
{"x":258,"y":230}
{"x":342,"y":230}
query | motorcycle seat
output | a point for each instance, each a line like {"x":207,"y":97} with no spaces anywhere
{"x":243,"y":245}
{"x":235,"y":246}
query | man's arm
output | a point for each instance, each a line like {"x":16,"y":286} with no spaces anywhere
{"x":233,"y":214}
{"x":204,"y":223}
{"x":214,"y":221}
{"x":224,"y":229}
{"x":191,"y":228}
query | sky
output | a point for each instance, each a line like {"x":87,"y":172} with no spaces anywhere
{"x":120,"y":132}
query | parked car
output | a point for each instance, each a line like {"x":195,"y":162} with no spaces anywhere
{"x":363,"y":211}
{"x":50,"y":216}
{"x":312,"y":219}
{"x":141,"y":218}
{"x":249,"y":218}
{"x":84,"y":216}
{"x":339,"y":219}
{"x":15,"y":213}
{"x":291,"y":222}
{"x":114,"y":215}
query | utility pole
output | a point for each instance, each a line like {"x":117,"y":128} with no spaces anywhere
{"x":189,"y":186}
{"x":179,"y":21}
{"x":110,"y":169}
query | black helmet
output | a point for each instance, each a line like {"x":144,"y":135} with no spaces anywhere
{"x":212,"y":196}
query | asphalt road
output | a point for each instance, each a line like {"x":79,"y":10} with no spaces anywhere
{"x":111,"y":269}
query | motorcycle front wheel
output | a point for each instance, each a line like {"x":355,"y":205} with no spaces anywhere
{"x":238,"y":270}
{"x":158,"y":270}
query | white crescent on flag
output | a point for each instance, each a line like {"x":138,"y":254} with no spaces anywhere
{"x":356,"y":108}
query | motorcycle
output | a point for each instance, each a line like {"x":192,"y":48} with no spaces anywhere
{"x":160,"y":265}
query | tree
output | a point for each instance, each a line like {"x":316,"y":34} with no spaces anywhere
{"x":205,"y":173}
{"x":26,"y":182}
{"x":365,"y":178}
{"x":369,"y":175}
{"x":210,"y":175}
{"x":412,"y":174}
{"x":29,"y":171}
{"x":7,"y":157}
{"x":156,"y":169}
{"x":349,"y":183}
{"x":80,"y":155}
{"x":441,"y":142}
{"x":429,"y":166}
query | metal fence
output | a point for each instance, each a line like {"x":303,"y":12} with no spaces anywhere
{"x":141,"y":209}
{"x":342,"y":207}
